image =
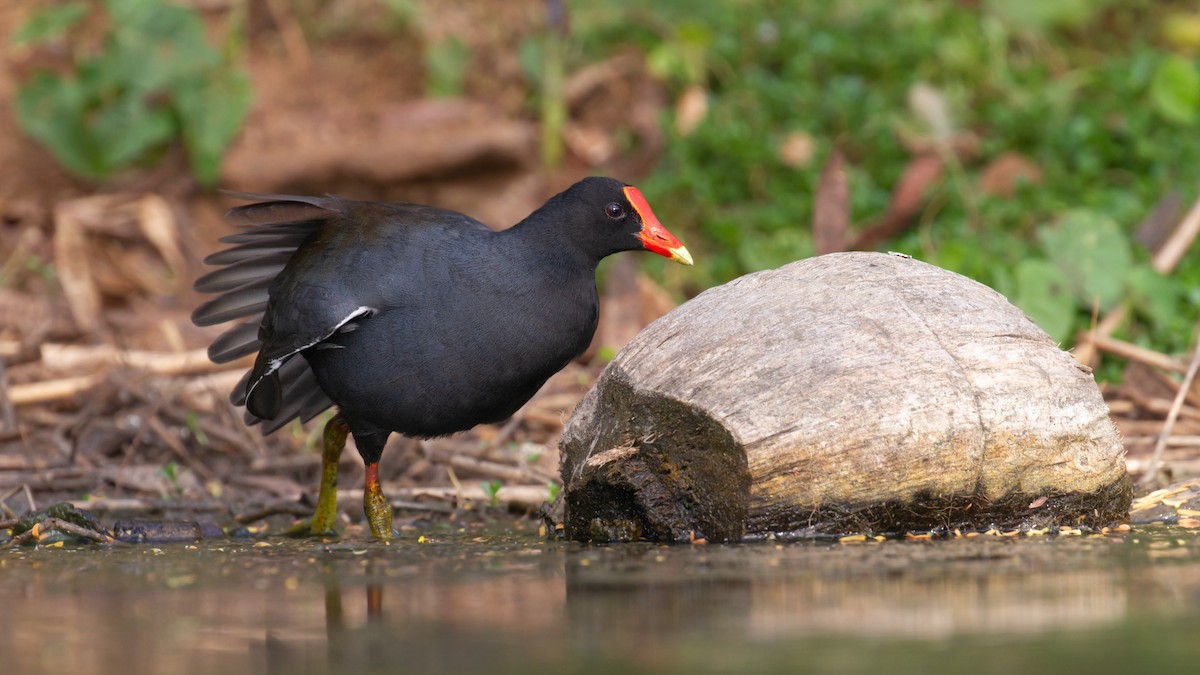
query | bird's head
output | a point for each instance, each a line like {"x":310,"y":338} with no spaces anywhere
{"x":612,"y":216}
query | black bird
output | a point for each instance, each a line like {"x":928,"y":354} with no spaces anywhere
{"x":410,"y":318}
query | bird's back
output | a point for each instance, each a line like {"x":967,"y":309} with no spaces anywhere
{"x":409,"y":318}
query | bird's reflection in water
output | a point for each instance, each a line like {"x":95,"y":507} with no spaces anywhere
{"x":355,"y":635}
{"x":475,"y":601}
{"x":649,"y":604}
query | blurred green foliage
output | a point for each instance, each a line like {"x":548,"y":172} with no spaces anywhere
{"x":1102,"y":97}
{"x":1090,"y":92}
{"x":1175,"y":89}
{"x":491,"y":488}
{"x":542,"y":57}
{"x":445,"y":67}
{"x":154,"y":79}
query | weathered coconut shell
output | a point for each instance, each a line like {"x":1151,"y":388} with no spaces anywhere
{"x":854,"y":392}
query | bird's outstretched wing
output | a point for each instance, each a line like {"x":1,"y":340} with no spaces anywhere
{"x":301,"y":270}
{"x":272,"y":231}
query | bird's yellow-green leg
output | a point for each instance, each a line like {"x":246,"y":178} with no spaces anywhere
{"x":331,"y":453}
{"x":377,"y":507}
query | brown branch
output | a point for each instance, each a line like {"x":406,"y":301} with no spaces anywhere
{"x":1087,"y":346}
{"x":526,"y":496}
{"x":1134,"y":353}
{"x":275,"y":508}
{"x":831,"y":207}
{"x":908,"y":196}
{"x":1172,"y":251}
{"x":238,"y":441}
{"x":177,"y":449}
{"x":1166,"y":259}
{"x":1151,"y":474}
{"x":483,"y":467}
{"x":1176,"y":441}
{"x":65,"y":478}
{"x":135,"y":505}
{"x":51,"y":390}
{"x":284,"y":463}
{"x":85,"y":357}
{"x":8,"y":413}
{"x":37,"y":532}
{"x":290,"y":33}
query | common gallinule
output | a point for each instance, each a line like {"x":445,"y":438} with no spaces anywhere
{"x":410,"y":318}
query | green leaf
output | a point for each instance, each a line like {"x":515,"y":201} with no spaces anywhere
{"x":127,"y":129}
{"x":1043,"y":293}
{"x":156,"y":79}
{"x":1157,"y":297}
{"x":491,"y":488}
{"x":775,"y":249}
{"x":155,"y":46}
{"x":193,"y":425}
{"x":530,"y":54}
{"x":50,"y":109}
{"x":684,"y":58}
{"x":1093,"y":253}
{"x":211,"y":113}
{"x":445,"y":66}
{"x":403,"y":13}
{"x":1042,"y":15}
{"x":1175,"y":89}
{"x":49,"y":23}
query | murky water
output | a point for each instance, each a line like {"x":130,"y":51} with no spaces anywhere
{"x":505,"y":601}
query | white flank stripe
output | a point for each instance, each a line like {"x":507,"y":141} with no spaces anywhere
{"x":274,"y":364}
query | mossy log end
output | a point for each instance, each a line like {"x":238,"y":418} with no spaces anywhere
{"x":853,"y":392}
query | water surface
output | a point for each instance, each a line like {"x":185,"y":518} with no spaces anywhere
{"x":502,"y":599}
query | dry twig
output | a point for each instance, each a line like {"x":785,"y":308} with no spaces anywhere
{"x":86,"y":357}
{"x":484,"y":467}
{"x":522,"y":496}
{"x":38,"y":530}
{"x":289,"y":30}
{"x":1166,"y":258}
{"x":1152,"y":471}
{"x":275,"y":508}
{"x":1172,"y":251}
{"x":1130,"y":351}
{"x":135,"y":505}
{"x":178,"y":450}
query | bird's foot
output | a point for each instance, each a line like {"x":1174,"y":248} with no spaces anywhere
{"x":377,"y":507}
{"x":325,"y":517}
{"x":304,"y":529}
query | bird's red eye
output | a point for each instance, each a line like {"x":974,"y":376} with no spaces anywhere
{"x":614,"y":210}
